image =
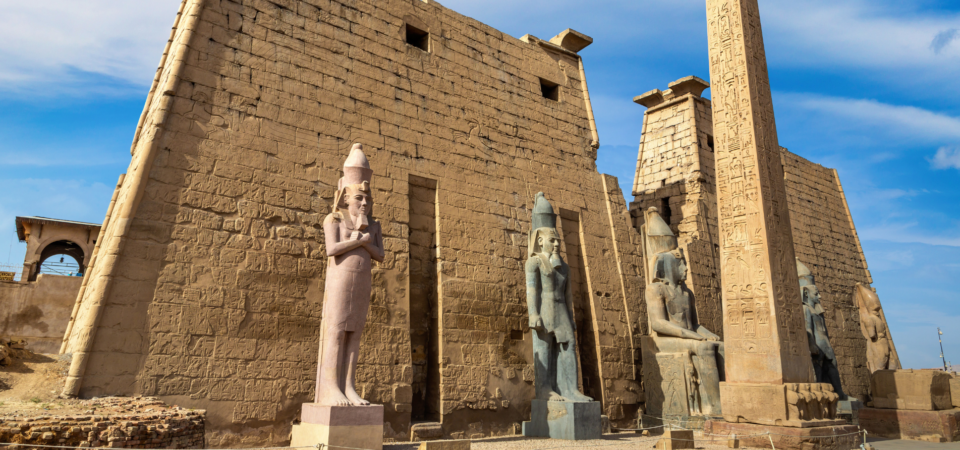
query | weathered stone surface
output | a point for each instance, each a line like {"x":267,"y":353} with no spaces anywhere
{"x":111,"y":422}
{"x":235,"y":166}
{"x":572,"y":421}
{"x":921,"y":390}
{"x":445,"y":445}
{"x":676,"y":439}
{"x":840,"y":437}
{"x":881,"y":353}
{"x":932,"y":426}
{"x":955,"y":391}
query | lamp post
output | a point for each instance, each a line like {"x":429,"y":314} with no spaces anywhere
{"x":940,"y":338}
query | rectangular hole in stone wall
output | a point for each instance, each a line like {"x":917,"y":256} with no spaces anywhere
{"x":424,"y":305}
{"x":590,"y":382}
{"x":710,"y":143}
{"x":665,"y":211}
{"x":418,"y":38}
{"x":550,"y":90}
{"x":516,"y":335}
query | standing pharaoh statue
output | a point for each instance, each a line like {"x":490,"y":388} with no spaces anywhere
{"x":824,"y":358}
{"x":549,"y":297}
{"x":873,"y":324}
{"x":339,"y":417}
{"x":559,"y":410}
{"x":353,"y":242}
{"x":674,"y":328}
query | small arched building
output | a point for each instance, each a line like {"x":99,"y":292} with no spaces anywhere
{"x":36,"y":306}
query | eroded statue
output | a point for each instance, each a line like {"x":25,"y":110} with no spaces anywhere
{"x":549,"y":297}
{"x":674,"y":327}
{"x":353,"y":240}
{"x":824,"y":358}
{"x":873,"y":324}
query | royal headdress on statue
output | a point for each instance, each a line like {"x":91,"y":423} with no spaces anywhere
{"x":806,"y":276}
{"x":357,"y":175}
{"x":544,"y":223}
{"x":807,"y":282}
{"x":658,"y":239}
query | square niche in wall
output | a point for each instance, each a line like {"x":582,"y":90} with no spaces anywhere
{"x":418,"y":38}
{"x":550,"y":90}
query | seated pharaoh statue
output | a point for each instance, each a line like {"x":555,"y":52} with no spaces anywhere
{"x":824,"y":358}
{"x":686,"y":353}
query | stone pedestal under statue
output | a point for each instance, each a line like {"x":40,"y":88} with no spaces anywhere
{"x":340,"y":426}
{"x":572,"y":421}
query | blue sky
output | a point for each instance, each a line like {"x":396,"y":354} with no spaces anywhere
{"x":867,"y":87}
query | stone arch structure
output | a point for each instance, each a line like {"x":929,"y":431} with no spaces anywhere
{"x":47,"y":237}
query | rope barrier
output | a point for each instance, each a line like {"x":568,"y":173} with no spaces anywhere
{"x":4,"y":444}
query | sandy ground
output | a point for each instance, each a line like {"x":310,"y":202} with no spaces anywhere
{"x":32,"y":383}
{"x":618,"y":441}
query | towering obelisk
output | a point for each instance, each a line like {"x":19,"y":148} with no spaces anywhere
{"x":767,"y":355}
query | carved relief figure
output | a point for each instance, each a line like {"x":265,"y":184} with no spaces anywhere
{"x":880,"y":354}
{"x":824,"y":358}
{"x":673,"y":319}
{"x":549,"y":303}
{"x":353,"y":240}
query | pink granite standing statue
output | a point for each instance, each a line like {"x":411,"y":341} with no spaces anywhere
{"x":353,"y":240}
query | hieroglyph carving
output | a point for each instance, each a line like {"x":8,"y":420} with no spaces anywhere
{"x":763,"y":324}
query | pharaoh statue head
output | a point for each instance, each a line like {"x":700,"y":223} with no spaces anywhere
{"x":867,"y":300}
{"x":809,"y":293}
{"x":665,"y":261}
{"x":354,"y":196}
{"x":544,"y":238}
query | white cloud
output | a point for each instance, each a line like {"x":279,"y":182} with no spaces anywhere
{"x":60,"y":45}
{"x":859,"y":34}
{"x":917,"y":123}
{"x":946,"y":158}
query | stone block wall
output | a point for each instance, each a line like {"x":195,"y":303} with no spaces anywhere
{"x":38,"y":311}
{"x":110,"y":422}
{"x":208,"y":287}
{"x":826,"y":241}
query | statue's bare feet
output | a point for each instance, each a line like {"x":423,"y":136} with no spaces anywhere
{"x":355,"y":399}
{"x":555,"y":397}
{"x":333,"y":397}
{"x":578,"y":397}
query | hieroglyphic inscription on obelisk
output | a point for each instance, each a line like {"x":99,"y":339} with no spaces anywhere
{"x":763,"y":321}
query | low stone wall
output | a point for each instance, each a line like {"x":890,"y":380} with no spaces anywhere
{"x":38,"y":311}
{"x":108,"y":422}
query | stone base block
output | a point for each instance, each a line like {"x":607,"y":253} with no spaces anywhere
{"x":572,"y":421}
{"x":844,"y":437}
{"x":935,"y":426}
{"x":676,"y":440}
{"x":445,"y":445}
{"x":919,"y":390}
{"x":340,"y":426}
{"x":741,"y":403}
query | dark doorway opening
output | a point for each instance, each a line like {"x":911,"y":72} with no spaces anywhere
{"x":424,"y":305}
{"x":587,"y":350}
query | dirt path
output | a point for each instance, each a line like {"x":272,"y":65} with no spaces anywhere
{"x":35,"y":378}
